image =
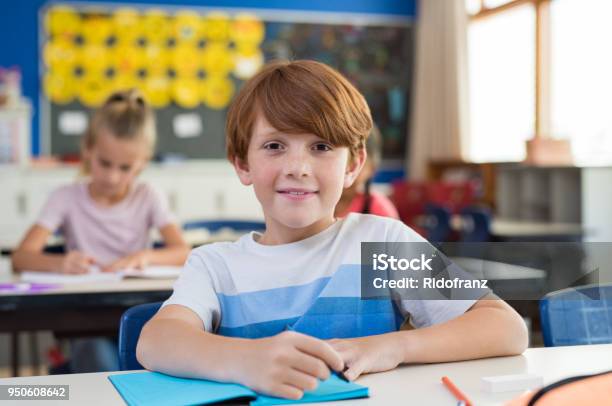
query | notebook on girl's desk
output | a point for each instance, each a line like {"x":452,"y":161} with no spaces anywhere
{"x":156,"y":389}
{"x":153,"y":272}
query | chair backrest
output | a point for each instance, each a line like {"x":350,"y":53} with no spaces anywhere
{"x":132,"y":322}
{"x":216,"y":225}
{"x":575,"y":316}
{"x":438,"y":227}
{"x":476,"y":224}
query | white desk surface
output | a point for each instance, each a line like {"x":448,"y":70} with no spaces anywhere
{"x":124,"y":285}
{"x":416,"y":384}
{"x":517,"y":228}
{"x":493,"y":270}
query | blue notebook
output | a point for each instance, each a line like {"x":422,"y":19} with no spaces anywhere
{"x":156,"y":389}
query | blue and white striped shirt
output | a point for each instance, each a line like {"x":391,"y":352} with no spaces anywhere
{"x":246,"y":289}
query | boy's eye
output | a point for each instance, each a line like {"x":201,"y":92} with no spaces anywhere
{"x":322,"y":147}
{"x":125,"y":168}
{"x":273,"y":146}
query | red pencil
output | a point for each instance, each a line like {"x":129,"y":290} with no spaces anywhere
{"x":455,"y":391}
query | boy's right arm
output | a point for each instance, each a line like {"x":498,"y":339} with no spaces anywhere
{"x":285,"y":365}
{"x":29,"y":255}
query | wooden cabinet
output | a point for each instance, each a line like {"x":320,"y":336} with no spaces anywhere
{"x":482,"y":175}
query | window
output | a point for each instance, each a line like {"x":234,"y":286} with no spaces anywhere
{"x":581,"y":81}
{"x":472,"y":6}
{"x":495,"y":3}
{"x":502,"y":84}
{"x":573,"y":80}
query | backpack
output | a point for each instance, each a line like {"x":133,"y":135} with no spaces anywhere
{"x":585,"y":390}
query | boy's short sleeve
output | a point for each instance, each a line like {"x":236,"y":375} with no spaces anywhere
{"x":427,"y":312}
{"x":424,"y":313}
{"x":161,"y":215}
{"x":195,"y":290}
{"x":53,"y":213}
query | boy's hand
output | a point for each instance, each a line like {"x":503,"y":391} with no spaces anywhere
{"x":287,"y":364}
{"x":76,"y":262}
{"x":138,"y":260}
{"x":368,"y":354}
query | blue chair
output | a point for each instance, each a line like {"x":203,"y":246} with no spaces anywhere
{"x":132,"y":322}
{"x":215,"y":225}
{"x":476,"y":225}
{"x":437,"y":223}
{"x":575,"y":316}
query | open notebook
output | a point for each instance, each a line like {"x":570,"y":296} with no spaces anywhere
{"x":156,"y":389}
{"x":152,"y":272}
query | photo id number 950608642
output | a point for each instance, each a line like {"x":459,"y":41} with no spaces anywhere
{"x":34,"y":392}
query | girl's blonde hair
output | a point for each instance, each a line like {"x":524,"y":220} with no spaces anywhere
{"x":126,"y":116}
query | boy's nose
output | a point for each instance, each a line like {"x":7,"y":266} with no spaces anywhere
{"x":298,"y":165}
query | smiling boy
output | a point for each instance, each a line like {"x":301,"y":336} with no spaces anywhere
{"x":275,"y":311}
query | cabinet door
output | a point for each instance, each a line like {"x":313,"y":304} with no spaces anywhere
{"x":596,"y":198}
{"x":218,"y":197}
{"x":198,"y":198}
{"x":12,"y":208}
{"x":166,"y":184}
{"x":240,"y":201}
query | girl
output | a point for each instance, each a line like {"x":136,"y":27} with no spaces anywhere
{"x":359,"y":198}
{"x":106,"y":219}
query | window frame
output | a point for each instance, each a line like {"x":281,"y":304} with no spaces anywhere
{"x":542,"y":72}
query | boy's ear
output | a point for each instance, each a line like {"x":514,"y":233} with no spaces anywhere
{"x":243,"y":172}
{"x":354,"y":167}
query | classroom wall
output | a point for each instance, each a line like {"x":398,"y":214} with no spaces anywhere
{"x":19,"y":30}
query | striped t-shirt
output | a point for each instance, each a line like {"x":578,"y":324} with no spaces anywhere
{"x":246,"y":289}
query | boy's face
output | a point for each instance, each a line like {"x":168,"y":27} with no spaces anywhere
{"x":298,"y":179}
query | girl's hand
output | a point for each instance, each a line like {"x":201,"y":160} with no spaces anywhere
{"x":287,"y":364}
{"x":368,"y":354}
{"x":76,"y":262}
{"x":138,"y":260}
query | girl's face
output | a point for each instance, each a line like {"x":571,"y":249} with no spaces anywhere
{"x":114,"y":163}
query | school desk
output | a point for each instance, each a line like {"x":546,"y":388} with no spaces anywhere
{"x":407,"y":385}
{"x":513,"y":230}
{"x":79,"y":309}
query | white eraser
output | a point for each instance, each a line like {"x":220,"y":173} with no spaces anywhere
{"x":507,"y":383}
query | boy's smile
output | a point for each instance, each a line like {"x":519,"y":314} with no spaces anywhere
{"x":298,"y":179}
{"x":297,"y":193}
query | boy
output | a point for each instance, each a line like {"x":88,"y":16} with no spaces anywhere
{"x":296,"y":132}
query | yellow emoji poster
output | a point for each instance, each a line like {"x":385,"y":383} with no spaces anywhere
{"x":184,"y":56}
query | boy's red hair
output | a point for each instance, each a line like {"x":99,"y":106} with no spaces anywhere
{"x":299,"y":97}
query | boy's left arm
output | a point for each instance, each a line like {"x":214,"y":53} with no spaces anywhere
{"x":174,"y":252}
{"x":489,"y":328}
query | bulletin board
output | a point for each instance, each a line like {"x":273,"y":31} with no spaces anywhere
{"x":189,"y":63}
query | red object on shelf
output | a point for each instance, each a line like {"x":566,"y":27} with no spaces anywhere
{"x":56,"y":358}
{"x":454,"y":196}
{"x":412,"y":198}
